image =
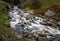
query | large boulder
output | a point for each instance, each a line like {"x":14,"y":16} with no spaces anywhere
{"x":57,"y":37}
{"x":50,"y":13}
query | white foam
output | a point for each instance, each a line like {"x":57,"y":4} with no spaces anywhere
{"x":35,"y":24}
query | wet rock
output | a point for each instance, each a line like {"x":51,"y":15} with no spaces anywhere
{"x":19,"y":27}
{"x":58,"y":23}
{"x":20,"y":36}
{"x":30,"y":36}
{"x":53,"y":39}
{"x":42,"y":39}
{"x":44,"y":23}
{"x":57,"y":37}
{"x":8,"y":7}
{"x":2,"y":37}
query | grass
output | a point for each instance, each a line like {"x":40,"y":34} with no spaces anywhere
{"x":46,"y":3}
{"x":25,"y":39}
{"x":7,"y":32}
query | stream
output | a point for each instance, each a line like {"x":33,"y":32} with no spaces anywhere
{"x":22,"y":21}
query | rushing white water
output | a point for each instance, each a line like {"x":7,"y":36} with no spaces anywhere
{"x":23,"y":21}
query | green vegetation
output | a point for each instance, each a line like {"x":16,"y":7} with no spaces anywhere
{"x":28,"y":39}
{"x":5,"y":30}
{"x":46,"y":3}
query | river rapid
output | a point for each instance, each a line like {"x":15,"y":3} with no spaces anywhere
{"x":22,"y":21}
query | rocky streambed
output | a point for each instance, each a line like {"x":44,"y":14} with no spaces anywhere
{"x":31,"y":25}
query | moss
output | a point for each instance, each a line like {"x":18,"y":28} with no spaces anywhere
{"x":9,"y":34}
{"x":26,"y":39}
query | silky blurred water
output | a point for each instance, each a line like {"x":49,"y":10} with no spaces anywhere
{"x":22,"y":21}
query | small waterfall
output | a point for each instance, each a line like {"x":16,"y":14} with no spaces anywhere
{"x":21,"y":21}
